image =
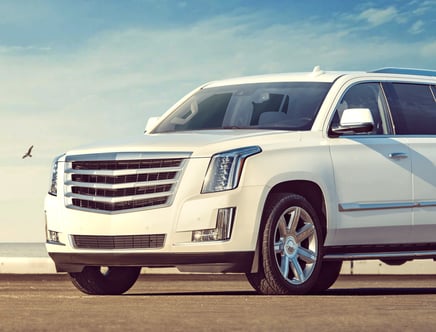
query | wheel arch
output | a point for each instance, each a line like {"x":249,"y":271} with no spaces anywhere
{"x":310,"y":191}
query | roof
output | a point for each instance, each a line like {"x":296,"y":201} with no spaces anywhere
{"x":318,"y":75}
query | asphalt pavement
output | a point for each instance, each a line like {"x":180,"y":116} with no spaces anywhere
{"x":182,"y":302}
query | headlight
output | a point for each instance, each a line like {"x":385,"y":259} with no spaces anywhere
{"x":53,"y":185}
{"x":225,"y":168}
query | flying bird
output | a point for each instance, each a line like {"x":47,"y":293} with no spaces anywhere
{"x":28,"y":153}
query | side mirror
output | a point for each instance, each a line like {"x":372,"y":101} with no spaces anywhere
{"x":355,"y":120}
{"x":151,"y":123}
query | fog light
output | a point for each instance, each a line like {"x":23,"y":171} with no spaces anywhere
{"x":223,"y":230}
{"x":52,"y":236}
{"x":205,"y":235}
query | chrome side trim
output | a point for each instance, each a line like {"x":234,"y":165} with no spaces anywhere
{"x":345,"y":207}
{"x":427,"y":204}
{"x":381,"y":255}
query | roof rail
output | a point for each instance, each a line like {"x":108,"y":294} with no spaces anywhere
{"x":405,"y":71}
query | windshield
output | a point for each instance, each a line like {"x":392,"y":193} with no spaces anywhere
{"x":284,"y":106}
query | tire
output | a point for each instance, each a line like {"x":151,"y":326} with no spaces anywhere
{"x":115,"y":280}
{"x":328,"y":275}
{"x":291,"y":247}
{"x":258,"y":282}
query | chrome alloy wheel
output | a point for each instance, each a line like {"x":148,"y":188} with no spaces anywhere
{"x":295,"y":245}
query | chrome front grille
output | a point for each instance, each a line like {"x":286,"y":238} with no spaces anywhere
{"x":117,"y":182}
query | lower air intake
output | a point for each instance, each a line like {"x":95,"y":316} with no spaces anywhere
{"x":147,"y":241}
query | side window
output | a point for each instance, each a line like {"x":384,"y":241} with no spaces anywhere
{"x":413,"y":108}
{"x":365,"y":95}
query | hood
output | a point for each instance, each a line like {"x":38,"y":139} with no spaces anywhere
{"x":199,"y":143}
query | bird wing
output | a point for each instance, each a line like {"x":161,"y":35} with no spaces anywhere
{"x":28,"y":153}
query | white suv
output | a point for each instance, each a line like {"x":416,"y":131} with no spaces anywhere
{"x":281,"y":177}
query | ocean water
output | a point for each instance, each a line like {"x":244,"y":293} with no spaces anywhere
{"x":17,"y":249}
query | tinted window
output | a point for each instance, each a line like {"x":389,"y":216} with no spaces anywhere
{"x":365,"y":95}
{"x":288,"y":106}
{"x":413,"y":108}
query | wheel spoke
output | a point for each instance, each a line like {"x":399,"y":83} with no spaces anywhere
{"x":297,"y":270}
{"x":284,"y":266}
{"x":282,"y":227}
{"x":306,"y":255}
{"x":306,"y":231}
{"x":294,"y":219}
{"x":279,"y":246}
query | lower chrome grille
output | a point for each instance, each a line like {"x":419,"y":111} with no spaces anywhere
{"x":118,"y":206}
{"x":118,"y":182}
{"x":148,"y":241}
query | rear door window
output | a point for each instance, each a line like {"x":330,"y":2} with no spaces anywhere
{"x":413,"y":108}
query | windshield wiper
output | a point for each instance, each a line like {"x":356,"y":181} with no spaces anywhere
{"x":235,"y":127}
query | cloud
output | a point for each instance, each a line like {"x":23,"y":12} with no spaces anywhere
{"x":417,"y":27}
{"x":23,"y":49}
{"x":422,"y":7}
{"x":429,"y":50}
{"x":376,"y":17}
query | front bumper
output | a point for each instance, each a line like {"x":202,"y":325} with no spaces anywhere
{"x":192,"y":262}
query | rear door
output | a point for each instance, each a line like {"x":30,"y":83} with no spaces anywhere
{"x":413,"y":109}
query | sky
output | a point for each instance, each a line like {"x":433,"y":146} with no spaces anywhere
{"x":76,"y":72}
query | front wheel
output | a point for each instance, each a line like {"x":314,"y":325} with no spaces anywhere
{"x":291,"y":247}
{"x":113,"y":280}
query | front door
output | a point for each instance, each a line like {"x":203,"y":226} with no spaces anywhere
{"x":373,"y":177}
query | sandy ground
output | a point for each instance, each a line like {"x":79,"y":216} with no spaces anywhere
{"x":217,"y":303}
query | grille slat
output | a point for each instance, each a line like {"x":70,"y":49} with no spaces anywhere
{"x":125,"y":164}
{"x":121,"y":192}
{"x":115,"y":172}
{"x":118,"y":206}
{"x":97,"y":183}
{"x":147,"y":241}
{"x":111,"y":179}
{"x":120,"y":185}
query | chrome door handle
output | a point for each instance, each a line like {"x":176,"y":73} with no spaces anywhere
{"x":398,"y":155}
